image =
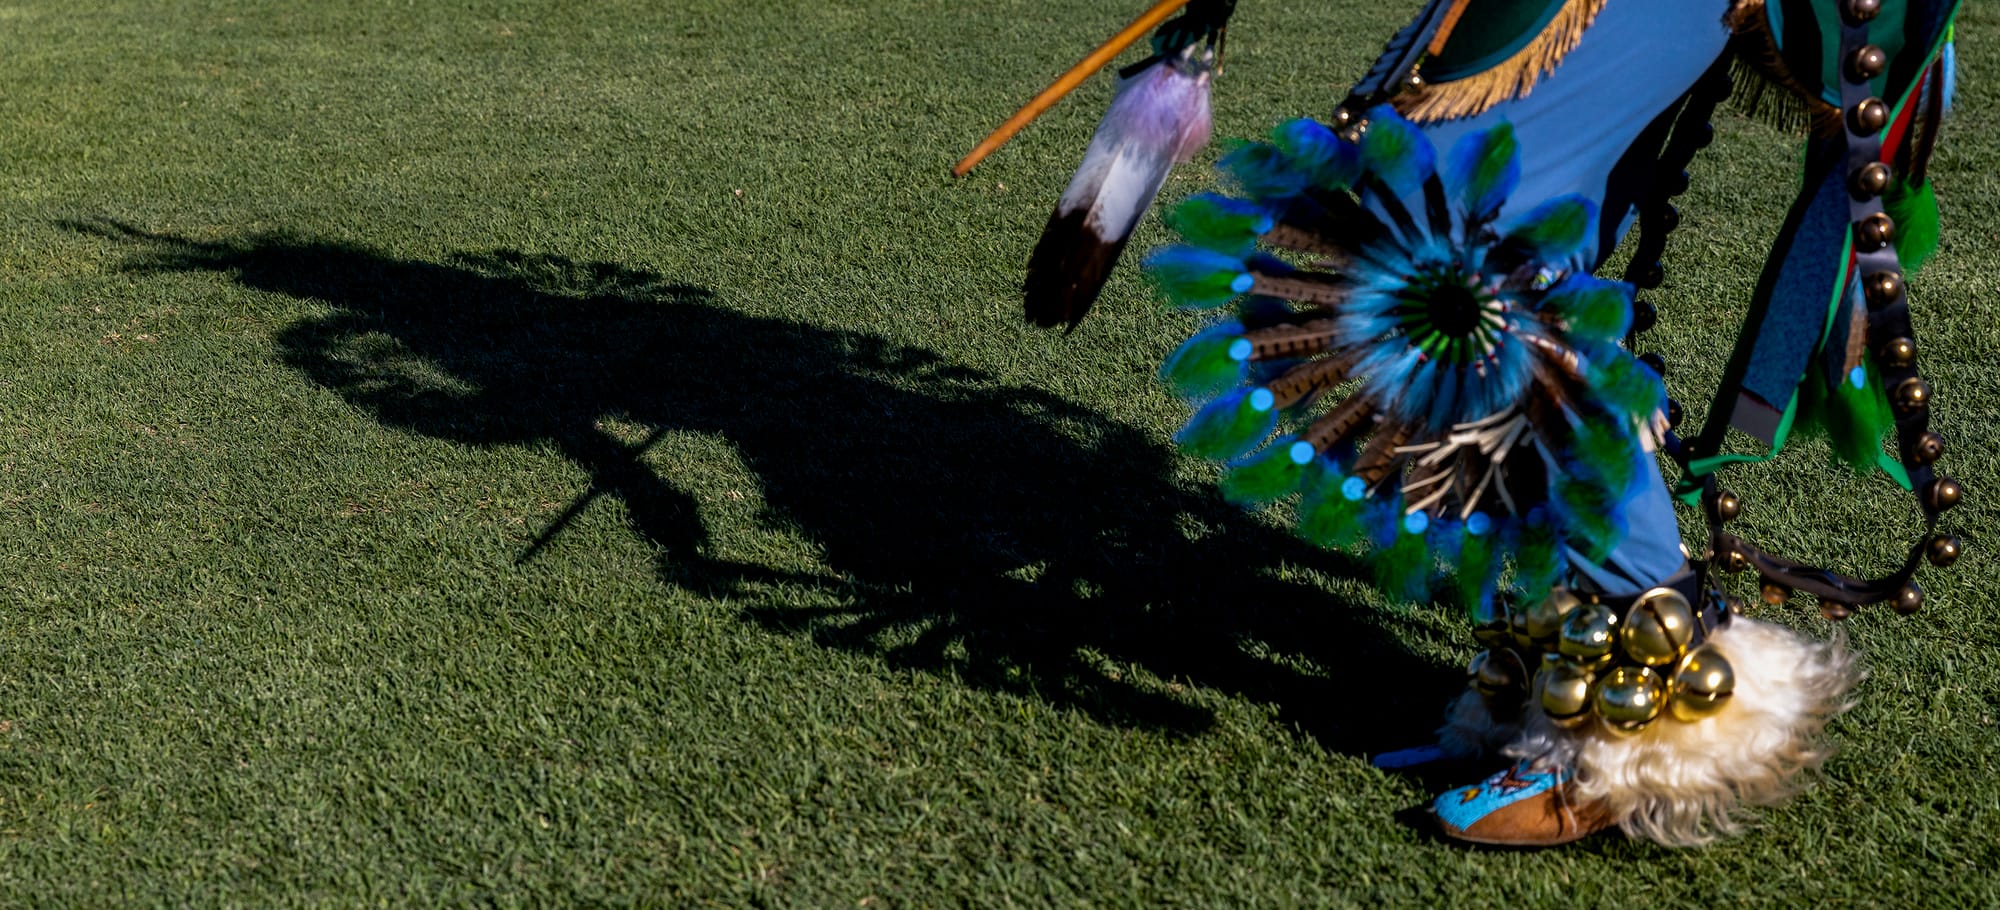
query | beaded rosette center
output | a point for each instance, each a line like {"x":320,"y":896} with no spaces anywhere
{"x":1425,"y":384}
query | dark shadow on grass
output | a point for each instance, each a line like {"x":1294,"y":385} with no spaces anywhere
{"x":997,"y":533}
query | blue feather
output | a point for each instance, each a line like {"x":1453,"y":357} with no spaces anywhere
{"x":1396,"y":152}
{"x":1482,"y":171}
{"x":1210,"y":362}
{"x":1197,"y":278}
{"x":1331,"y":162}
{"x":1558,"y":231}
{"x":1264,"y":173}
{"x":1948,"y":60}
{"x":1231,"y":425}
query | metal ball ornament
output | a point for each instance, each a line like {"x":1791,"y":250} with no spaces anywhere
{"x":1899,"y":352}
{"x":1870,"y":180}
{"x":1867,"y":63}
{"x":1942,"y":550}
{"x":1563,"y":690}
{"x":1868,"y":117}
{"x":1588,"y":633}
{"x":1859,"y":11}
{"x":1883,"y":288}
{"x":1908,"y":600}
{"x":1545,"y":619}
{"x":1942,"y":494}
{"x":1702,"y":686}
{"x":1874,"y":232}
{"x":1658,"y":628}
{"x":1913,"y":394}
{"x":1834,"y":611}
{"x":1498,"y":672}
{"x":1774,"y":593}
{"x":1628,"y":698}
{"x":1928,"y":448}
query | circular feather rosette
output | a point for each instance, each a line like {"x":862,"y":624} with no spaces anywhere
{"x":1428,"y":386}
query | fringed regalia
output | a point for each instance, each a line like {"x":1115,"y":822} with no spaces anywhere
{"x":1412,"y":352}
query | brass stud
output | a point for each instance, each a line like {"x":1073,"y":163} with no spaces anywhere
{"x":1415,"y":83}
{"x":1899,"y":352}
{"x":1874,"y":232}
{"x":1342,"y":117}
{"x":1942,"y":493}
{"x":1628,"y":698}
{"x":1774,"y":593}
{"x":1834,"y":611}
{"x":1870,"y":180}
{"x":1545,"y":619}
{"x":1866,"y":63}
{"x":1942,"y":550}
{"x":1883,"y":288}
{"x":1928,"y":448}
{"x":1913,"y":393}
{"x":1859,"y":11}
{"x":1563,"y":691}
{"x":1588,"y":633}
{"x":1659,"y":627}
{"x":1909,"y":600}
{"x":1702,"y":686}
{"x":1868,"y":117}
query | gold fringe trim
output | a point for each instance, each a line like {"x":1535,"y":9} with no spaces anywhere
{"x":1511,"y":78}
{"x":1765,"y":88}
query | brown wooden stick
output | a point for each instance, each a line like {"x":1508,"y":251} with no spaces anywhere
{"x":1068,"y":82}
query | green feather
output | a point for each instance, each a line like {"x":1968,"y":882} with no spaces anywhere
{"x":1230,"y":426}
{"x":1852,"y":418}
{"x":1220,"y":223}
{"x":1403,"y":567}
{"x":1195,"y":277}
{"x":1605,"y":450}
{"x":1272,"y":475}
{"x":1210,"y":362}
{"x":1590,"y":518}
{"x":1327,"y":517}
{"x":1536,"y":563}
{"x":1557,"y":229}
{"x":1623,"y":383}
{"x":1478,"y":561}
{"x":1592,"y":310}
{"x":1913,"y":207}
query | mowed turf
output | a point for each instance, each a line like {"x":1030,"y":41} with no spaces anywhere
{"x":548,"y":453}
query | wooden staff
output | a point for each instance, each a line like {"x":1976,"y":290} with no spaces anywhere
{"x":1068,"y":82}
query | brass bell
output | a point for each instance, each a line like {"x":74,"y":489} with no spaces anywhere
{"x":1899,"y":352}
{"x":1928,"y":448}
{"x":1563,"y":690}
{"x":1942,"y":493}
{"x":1702,"y":685}
{"x":1588,"y":633}
{"x":1867,"y":63}
{"x":1874,"y":232}
{"x":1628,"y":698}
{"x":1909,"y":600}
{"x":1545,"y":619}
{"x":1732,"y":561}
{"x":1870,"y":180}
{"x":1942,"y":551}
{"x":1834,"y":611}
{"x":1913,"y":393}
{"x":1774,"y":593}
{"x":1725,"y":506}
{"x":1517,"y":627}
{"x":1868,"y":117}
{"x":1489,"y":624}
{"x":1498,"y":672}
{"x":1659,"y":627}
{"x":1736,"y":606}
{"x":1884,"y":288}
{"x":1859,"y":11}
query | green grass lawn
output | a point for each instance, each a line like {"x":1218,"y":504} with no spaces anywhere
{"x":547,"y":453}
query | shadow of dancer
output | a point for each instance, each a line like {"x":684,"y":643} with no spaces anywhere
{"x":997,"y":532}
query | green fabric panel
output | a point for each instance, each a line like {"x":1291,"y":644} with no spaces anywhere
{"x":1490,"y":31}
